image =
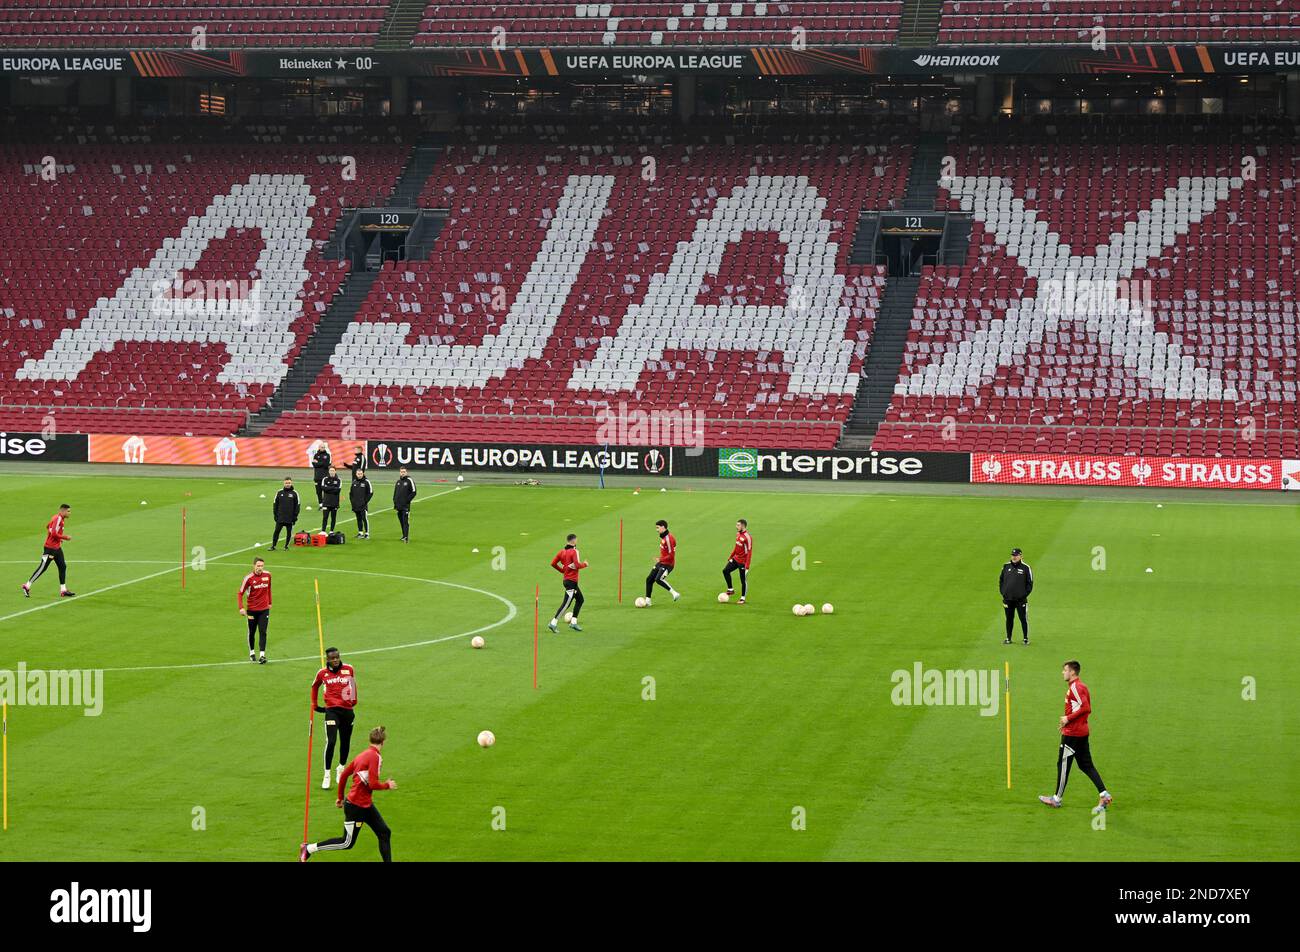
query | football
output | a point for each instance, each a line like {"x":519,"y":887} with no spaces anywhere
{"x":724,"y":597}
{"x":828,"y":609}
{"x":486,"y":738}
{"x":476,"y":641}
{"x":640,"y":602}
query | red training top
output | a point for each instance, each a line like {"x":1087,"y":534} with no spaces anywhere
{"x":340,"y":687}
{"x":568,"y":561}
{"x":364,"y":771}
{"x":1078,"y":705}
{"x":667,"y":550}
{"x":54,"y":537}
{"x":258,"y":589}
{"x":743,"y":550}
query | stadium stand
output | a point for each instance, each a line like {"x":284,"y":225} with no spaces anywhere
{"x":285,"y":24}
{"x":102,"y":245}
{"x":1128,"y":288}
{"x":1124,"y":21}
{"x":564,"y":23}
{"x":168,"y":24}
{"x":564,"y":282}
{"x":1037,"y":344}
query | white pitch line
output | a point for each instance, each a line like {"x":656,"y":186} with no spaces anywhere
{"x":177,"y":568}
{"x":511,"y":613}
{"x":109,"y":588}
{"x":100,"y":562}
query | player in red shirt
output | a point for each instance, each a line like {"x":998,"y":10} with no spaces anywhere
{"x":54,"y":539}
{"x":667,"y":562}
{"x":340,"y":683}
{"x":741,"y":554}
{"x":1074,"y":739}
{"x":257,"y":586}
{"x":568,"y":563}
{"x":360,"y":808}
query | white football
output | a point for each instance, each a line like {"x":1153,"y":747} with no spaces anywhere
{"x":460,"y":479}
{"x":486,"y":738}
{"x":640,"y":602}
{"x":798,"y":610}
{"x":476,"y":641}
{"x":810,"y":610}
{"x":724,"y":597}
{"x":828,"y":609}
{"x":568,"y":618}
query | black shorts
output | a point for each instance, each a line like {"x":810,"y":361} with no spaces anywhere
{"x":355,"y":814}
{"x":732,"y":565}
{"x":570,"y":585}
{"x":662,"y":570}
{"x":1079,"y":745}
{"x":340,"y":716}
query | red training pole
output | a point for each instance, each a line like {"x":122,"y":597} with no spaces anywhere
{"x":537,"y":617}
{"x":620,"y":561}
{"x":183,"y":549}
{"x":311,"y":731}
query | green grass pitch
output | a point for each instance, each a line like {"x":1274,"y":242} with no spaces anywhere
{"x":199,"y":755}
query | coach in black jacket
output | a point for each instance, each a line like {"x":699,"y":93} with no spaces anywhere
{"x":320,"y":468}
{"x":358,"y":464}
{"x":331,"y":487}
{"x":403,"y":493}
{"x":360,"y":495}
{"x":1015,"y":582}
{"x":285,"y":508}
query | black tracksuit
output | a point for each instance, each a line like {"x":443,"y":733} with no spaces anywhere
{"x":285,"y":508}
{"x":320,"y":468}
{"x":1015,"y":582}
{"x":330,"y":487}
{"x":360,"y":495}
{"x":358,"y":464}
{"x":403,"y":494}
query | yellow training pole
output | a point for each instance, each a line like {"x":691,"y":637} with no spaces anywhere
{"x":320,"y":632}
{"x":4,"y":743}
{"x":1007,"y":704}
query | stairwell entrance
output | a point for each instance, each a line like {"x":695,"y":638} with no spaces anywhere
{"x":909,"y":241}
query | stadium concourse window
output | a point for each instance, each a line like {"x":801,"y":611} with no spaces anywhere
{"x":332,"y":96}
{"x":640,"y":96}
{"x":755,"y":97}
{"x":820,"y":96}
{"x":1058,"y":96}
